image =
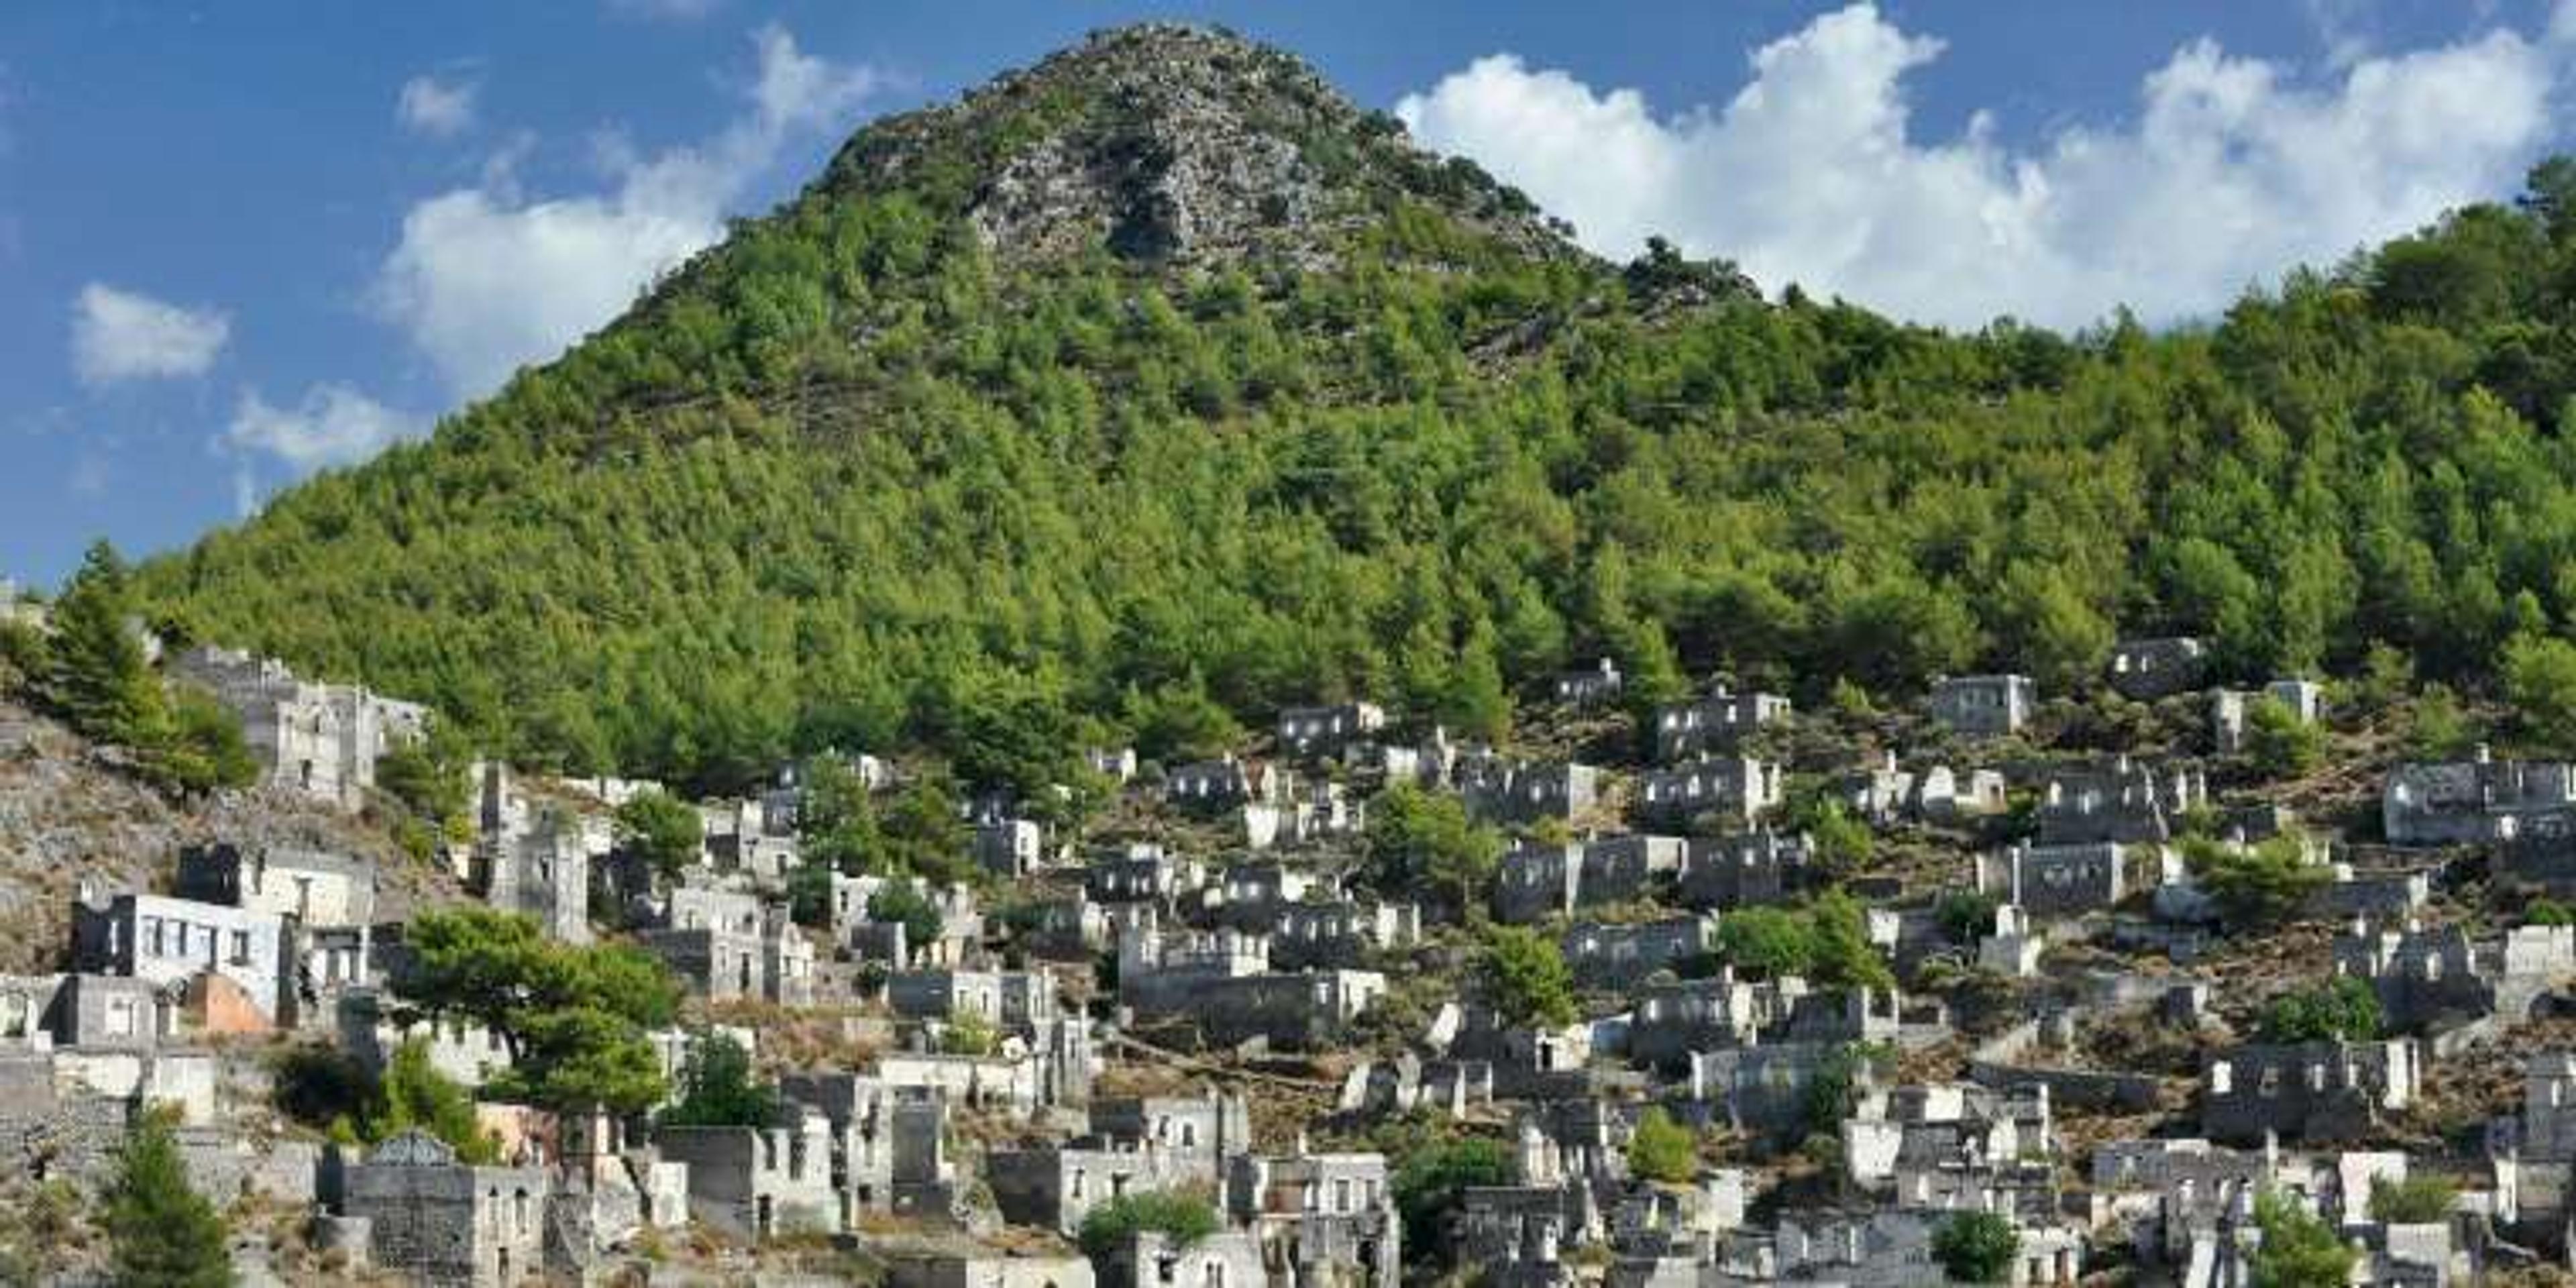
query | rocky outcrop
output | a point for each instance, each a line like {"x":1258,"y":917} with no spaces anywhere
{"x":68,"y":814}
{"x":1165,"y":143}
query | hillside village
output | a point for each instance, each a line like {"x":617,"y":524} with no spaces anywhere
{"x":2136,"y":983}
{"x":1149,"y":686}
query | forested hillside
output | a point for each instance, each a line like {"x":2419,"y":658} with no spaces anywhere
{"x":1159,"y":383}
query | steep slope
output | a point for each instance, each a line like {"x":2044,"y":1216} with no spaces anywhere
{"x":68,"y":815}
{"x":1159,"y":382}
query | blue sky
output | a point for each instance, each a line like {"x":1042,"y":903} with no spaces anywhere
{"x":242,"y":242}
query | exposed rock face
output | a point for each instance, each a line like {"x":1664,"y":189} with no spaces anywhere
{"x":67,"y":815}
{"x":1173,"y":144}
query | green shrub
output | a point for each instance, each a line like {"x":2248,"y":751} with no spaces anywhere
{"x":2343,"y":1009}
{"x":1662,"y":1149}
{"x":1976,"y":1247}
{"x":2419,"y":1199}
{"x":1183,"y":1218}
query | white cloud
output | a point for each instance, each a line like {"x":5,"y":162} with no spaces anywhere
{"x":120,"y":335}
{"x":485,"y":279}
{"x":439,"y":109}
{"x":332,"y":425}
{"x":2233,"y":171}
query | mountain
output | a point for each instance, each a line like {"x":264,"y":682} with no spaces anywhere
{"x":1158,"y":385}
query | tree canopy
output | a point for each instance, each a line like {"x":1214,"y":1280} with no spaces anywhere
{"x":162,"y":1233}
{"x":574,"y":1017}
{"x":1526,"y":978}
{"x":718,"y":1087}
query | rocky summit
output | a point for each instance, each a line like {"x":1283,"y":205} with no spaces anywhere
{"x":1173,"y":144}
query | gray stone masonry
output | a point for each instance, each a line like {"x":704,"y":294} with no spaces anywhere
{"x":2479,"y":799}
{"x":2315,"y":1092}
{"x":443,"y":1222}
{"x":1714,"y":722}
{"x":2144,"y":670}
{"x":1983,"y":705}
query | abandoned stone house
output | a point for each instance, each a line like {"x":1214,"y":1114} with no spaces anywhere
{"x":371,"y":1026}
{"x":1201,"y":1132}
{"x":1764,"y":1090}
{"x":889,"y":1144}
{"x":1221,"y":784}
{"x":1054,"y":1186}
{"x":728,"y":944}
{"x":1159,"y":968}
{"x":315,"y":888}
{"x":1888,"y":793}
{"x":1308,"y":815}
{"x":1326,"y":730}
{"x":1252,"y":895}
{"x":987,"y":1268}
{"x":1020,"y":1002}
{"x":2013,"y":945}
{"x":1879,"y":794}
{"x":2069,"y":880}
{"x":1117,"y":764}
{"x":235,"y":968}
{"x":1340,"y":933}
{"x":1153,"y":1259}
{"x":1737,"y":790}
{"x":1934,"y":1145}
{"x":445,"y":1221}
{"x":764,"y":857}
{"x":1064,"y":928}
{"x":1010,"y":847}
{"x":2535,"y":1156}
{"x":1534,"y":882}
{"x":2312,"y":1091}
{"x":106,"y":1012}
{"x":2143,"y":670}
{"x":1672,"y":1021}
{"x":1141,"y":873}
{"x":1616,"y":954}
{"x":1521,"y":1061}
{"x":1135,"y":1145}
{"x":1223,"y":986}
{"x":1521,"y":1235}
{"x":1500,"y":790}
{"x":2180,"y":1199}
{"x":1318,"y":1217}
{"x":1294,"y":1010}
{"x":2427,"y":977}
{"x":1028,"y":1077}
{"x":1943,"y":794}
{"x":1893,"y":1246}
{"x":1983,"y":705}
{"x":2541,"y":855}
{"x":2125,"y":801}
{"x":2230,"y":708}
{"x":753,"y":1182}
{"x":1585,"y":688}
{"x":2471,"y":801}
{"x":1746,"y":869}
{"x":534,"y":858}
{"x":322,"y":740}
{"x":1715,"y":722}
{"x":1573,"y":1139}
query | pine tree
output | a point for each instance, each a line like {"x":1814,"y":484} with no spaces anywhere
{"x":165,"y":1234}
{"x":99,"y":678}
